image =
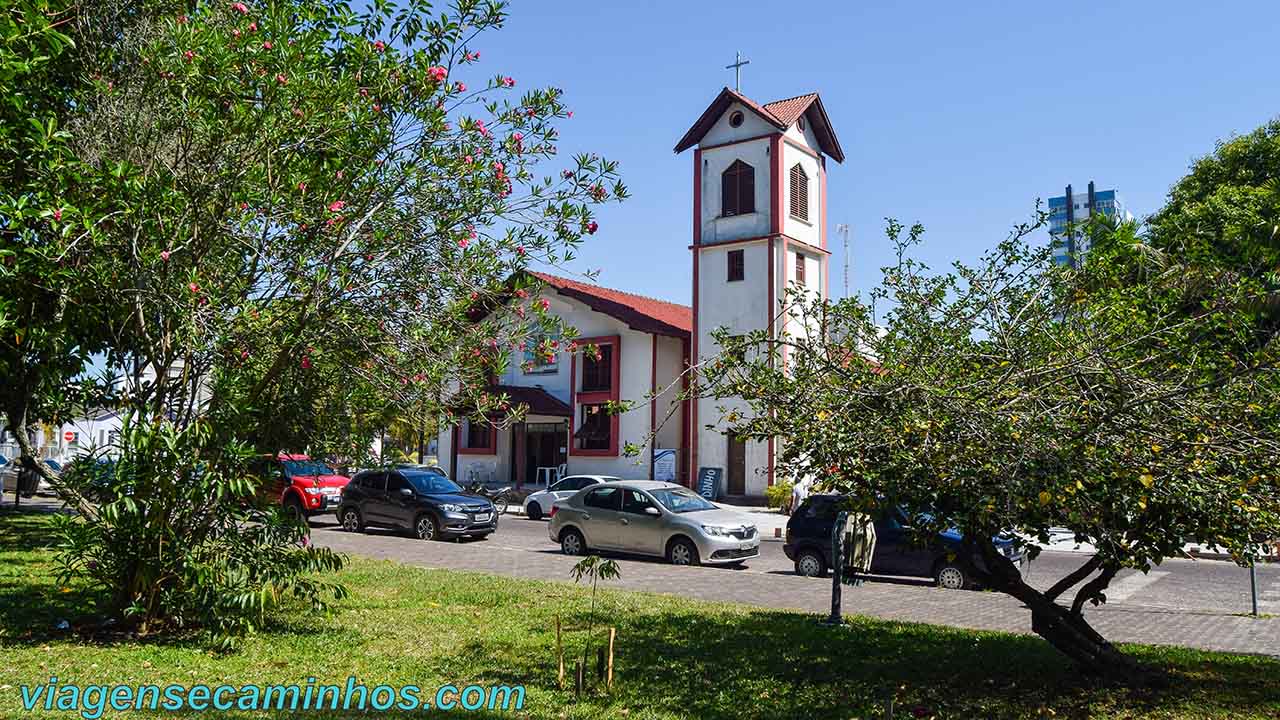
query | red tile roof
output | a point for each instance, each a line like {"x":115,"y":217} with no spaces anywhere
{"x":539,"y":401}
{"x":639,"y":312}
{"x":789,"y":110}
{"x":782,"y":114}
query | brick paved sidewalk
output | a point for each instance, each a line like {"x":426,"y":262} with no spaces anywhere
{"x":778,"y":589}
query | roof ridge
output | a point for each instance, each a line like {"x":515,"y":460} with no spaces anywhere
{"x":616,"y":290}
{"x":794,"y":97}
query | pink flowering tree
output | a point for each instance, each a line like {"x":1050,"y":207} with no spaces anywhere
{"x":316,"y":222}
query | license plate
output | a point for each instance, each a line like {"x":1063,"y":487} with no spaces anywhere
{"x":482,"y":517}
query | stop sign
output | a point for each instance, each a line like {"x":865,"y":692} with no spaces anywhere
{"x":68,"y":436}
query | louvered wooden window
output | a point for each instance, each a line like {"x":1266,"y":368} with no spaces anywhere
{"x":737,"y":267}
{"x":799,"y":192}
{"x":738,"y":189}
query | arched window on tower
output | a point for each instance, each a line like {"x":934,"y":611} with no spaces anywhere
{"x":799,"y":192}
{"x":738,"y":189}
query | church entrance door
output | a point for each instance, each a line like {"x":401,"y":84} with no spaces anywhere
{"x":736,"y":475}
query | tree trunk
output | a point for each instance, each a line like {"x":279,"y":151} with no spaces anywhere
{"x":1064,"y":627}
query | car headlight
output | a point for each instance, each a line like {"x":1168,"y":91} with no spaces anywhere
{"x":450,"y":507}
{"x":312,"y":490}
{"x":715,"y":531}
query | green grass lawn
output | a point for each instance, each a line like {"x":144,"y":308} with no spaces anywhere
{"x":675,"y":658}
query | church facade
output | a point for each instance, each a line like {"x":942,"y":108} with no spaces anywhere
{"x":759,"y":228}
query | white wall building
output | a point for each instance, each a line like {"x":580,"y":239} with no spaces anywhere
{"x":759,"y":226}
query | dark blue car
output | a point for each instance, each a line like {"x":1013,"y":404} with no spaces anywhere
{"x":423,"y":501}
{"x":808,"y":544}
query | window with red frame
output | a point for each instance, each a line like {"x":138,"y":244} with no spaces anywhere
{"x":595,"y":429}
{"x":478,"y":436}
{"x":597,"y":371}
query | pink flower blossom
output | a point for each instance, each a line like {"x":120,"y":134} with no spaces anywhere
{"x":182,"y":19}
{"x":336,"y":205}
{"x":517,"y":136}
{"x":475,"y":296}
{"x":498,"y":166}
{"x":520,"y":310}
{"x":522,"y":293}
{"x":244,"y":206}
{"x":468,"y":159}
{"x":281,"y":79}
{"x":364,"y":92}
{"x":531,"y":112}
{"x":464,"y":242}
{"x":569,"y":114}
{"x":240,"y":8}
{"x":520,"y":250}
{"x":437,"y":73}
{"x":235,"y":33}
{"x":568,"y":174}
{"x":460,"y":86}
{"x":164,"y":255}
{"x":253,"y":27}
{"x":508,"y":82}
{"x":193,"y":287}
{"x":592,"y":227}
{"x":379,"y":45}
{"x":377,"y":107}
{"x":244,"y":354}
{"x":306,"y":363}
{"x":302,"y":187}
{"x":188,"y":56}
{"x":266,"y":45}
{"x":57,"y":213}
{"x":338,"y":175}
{"x":297,"y":112}
{"x":544,"y":304}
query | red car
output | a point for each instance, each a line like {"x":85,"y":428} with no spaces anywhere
{"x":305,"y":487}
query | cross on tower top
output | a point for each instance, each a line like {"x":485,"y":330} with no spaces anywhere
{"x":737,"y":70}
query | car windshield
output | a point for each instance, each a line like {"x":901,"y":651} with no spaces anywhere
{"x":306,"y":468}
{"x":681,"y":500}
{"x":429,"y":482}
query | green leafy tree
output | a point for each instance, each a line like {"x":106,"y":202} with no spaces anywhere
{"x":305,"y":221}
{"x":1132,"y":402}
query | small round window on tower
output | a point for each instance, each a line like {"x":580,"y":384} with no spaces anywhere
{"x":735,"y":119}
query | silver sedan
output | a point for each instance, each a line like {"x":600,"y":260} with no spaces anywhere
{"x":652,"y":518}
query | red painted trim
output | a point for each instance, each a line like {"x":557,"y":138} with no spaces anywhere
{"x":736,"y":142}
{"x":760,"y":238}
{"x":802,"y":148}
{"x":693,"y":412}
{"x":490,"y":449}
{"x":684,"y":410}
{"x":769,"y":323}
{"x":822,"y":173}
{"x":697,"y":197}
{"x":578,"y":399}
{"x":453,"y":452}
{"x":653,"y":403}
{"x":775,"y":184}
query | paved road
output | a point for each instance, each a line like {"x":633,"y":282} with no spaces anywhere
{"x":1196,"y":603}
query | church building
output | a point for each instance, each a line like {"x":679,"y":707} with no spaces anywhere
{"x":759,"y":227}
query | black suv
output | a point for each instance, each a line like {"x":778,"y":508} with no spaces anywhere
{"x":424,"y":501}
{"x":808,"y":543}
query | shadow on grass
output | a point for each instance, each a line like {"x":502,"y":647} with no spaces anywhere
{"x":767,"y":664}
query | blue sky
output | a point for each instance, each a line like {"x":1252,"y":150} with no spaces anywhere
{"x":956,"y":115}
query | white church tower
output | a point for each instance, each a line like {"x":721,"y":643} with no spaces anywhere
{"x":759,"y":226}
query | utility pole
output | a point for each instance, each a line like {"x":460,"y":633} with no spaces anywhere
{"x":843,"y":230}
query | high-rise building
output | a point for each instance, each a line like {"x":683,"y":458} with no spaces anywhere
{"x":1073,"y":211}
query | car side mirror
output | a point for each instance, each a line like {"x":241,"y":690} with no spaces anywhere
{"x":651,"y":510}
{"x":406,"y":492}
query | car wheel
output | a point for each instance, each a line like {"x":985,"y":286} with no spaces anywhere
{"x":809,"y":563}
{"x":951,"y":577}
{"x":425,"y":527}
{"x":682,"y":552}
{"x":500,"y":505}
{"x":534,"y":511}
{"x":351,"y":521}
{"x":572,"y":542}
{"x":293,"y":508}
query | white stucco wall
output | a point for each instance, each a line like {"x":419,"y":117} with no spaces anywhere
{"x":807,"y":231}
{"x":714,"y":162}
{"x":635,"y":378}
